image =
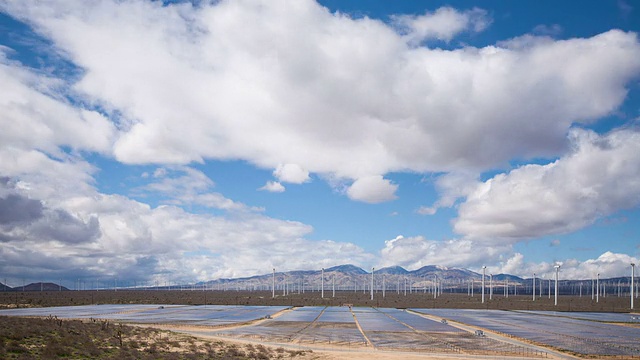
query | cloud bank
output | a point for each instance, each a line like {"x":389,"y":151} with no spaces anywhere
{"x":597,"y":178}
{"x":332,"y":97}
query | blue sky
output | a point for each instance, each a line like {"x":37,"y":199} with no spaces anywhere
{"x":189,"y":142}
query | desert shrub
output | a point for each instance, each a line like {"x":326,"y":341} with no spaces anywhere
{"x":16,"y":348}
{"x":52,"y":338}
{"x":261,"y":354}
{"x":174,"y":343}
{"x":234,"y":350}
{"x":54,"y":350}
{"x":295,"y":353}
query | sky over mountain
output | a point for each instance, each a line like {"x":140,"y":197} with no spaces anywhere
{"x":187,"y":141}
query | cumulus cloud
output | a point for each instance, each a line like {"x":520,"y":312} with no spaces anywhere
{"x":426,"y":210}
{"x":443,"y":24}
{"x":18,"y":209}
{"x":372,"y":189}
{"x":608,"y":264}
{"x":183,"y":185}
{"x":35,"y":114}
{"x":291,"y":173}
{"x":96,"y":235}
{"x":415,"y":252}
{"x":273,"y":186}
{"x":596,"y":179}
{"x":346,"y":97}
{"x":451,"y":187}
{"x":28,"y":220}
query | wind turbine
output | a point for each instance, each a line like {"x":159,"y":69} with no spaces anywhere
{"x":533,"y":287}
{"x":333,"y":285}
{"x":322,"y":284}
{"x":556,"y":290}
{"x":372,"y":270}
{"x":435,"y":285}
{"x":484,"y":268}
{"x":383,"y":286}
{"x":598,"y":287}
{"x":633,"y":275}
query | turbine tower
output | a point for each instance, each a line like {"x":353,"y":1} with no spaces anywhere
{"x":322,"y":284}
{"x":556,"y":290}
{"x":484,"y":268}
{"x":490,"y":286}
{"x":633,"y":275}
{"x":372,"y":270}
{"x":533,"y":287}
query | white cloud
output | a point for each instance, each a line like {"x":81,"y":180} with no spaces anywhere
{"x":443,"y":24}
{"x":608,"y":265}
{"x":596,"y":179}
{"x":291,"y":173}
{"x":273,"y":186}
{"x":415,"y":252}
{"x":45,"y":177}
{"x":159,"y":172}
{"x":345,"y":97}
{"x":548,"y":30}
{"x":36,"y":116}
{"x":372,"y":189}
{"x":183,"y":185}
{"x":451,"y":187}
{"x":427,"y":210}
{"x":114,"y":236}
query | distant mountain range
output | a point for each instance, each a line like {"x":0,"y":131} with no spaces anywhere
{"x":351,"y":277}
{"x":39,"y":286}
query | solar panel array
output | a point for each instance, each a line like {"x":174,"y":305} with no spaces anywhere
{"x":209,"y":315}
{"x":594,"y":316}
{"x":572,"y":334}
{"x":307,"y":325}
{"x":585,"y":333}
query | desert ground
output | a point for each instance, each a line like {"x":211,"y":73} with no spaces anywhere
{"x":207,"y":344}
